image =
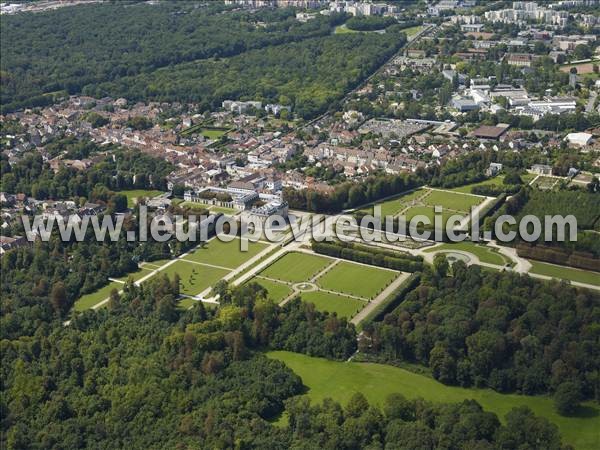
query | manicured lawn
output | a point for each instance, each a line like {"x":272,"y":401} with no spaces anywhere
{"x":193,"y":205}
{"x":133,"y":194}
{"x":277,"y":291}
{"x":393,"y":206}
{"x":356,"y":279}
{"x":466,"y":189}
{"x":225,"y":254}
{"x":140,"y":273}
{"x":429,"y":212}
{"x":152,"y":265}
{"x":452,"y":200}
{"x":565,"y":273}
{"x":485,"y":254}
{"x":194,"y":277}
{"x":89,"y":300}
{"x":325,"y":301}
{"x":296,"y":267}
{"x":186,"y":303}
{"x":340,"y":380}
{"x":211,"y":133}
{"x":221,"y":209}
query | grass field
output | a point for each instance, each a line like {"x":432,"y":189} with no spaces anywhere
{"x":134,"y":194}
{"x":211,"y":133}
{"x":186,"y":303}
{"x":429,"y":212}
{"x":345,"y":288}
{"x":140,"y":273}
{"x":485,"y":254}
{"x":497,"y":181}
{"x":277,"y":291}
{"x":355,"y":279}
{"x":466,"y":189}
{"x":326,"y":301}
{"x":296,"y":267}
{"x":225,"y":254}
{"x":193,"y":205}
{"x":565,"y":273}
{"x":422,"y":202}
{"x":194,"y":277}
{"x":395,"y":205}
{"x":452,"y":200}
{"x":343,"y":29}
{"x":340,"y":380}
{"x":87,"y":301}
{"x":222,"y":209}
{"x":411,"y":31}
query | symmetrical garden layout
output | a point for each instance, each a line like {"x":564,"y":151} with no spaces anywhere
{"x":198,"y":270}
{"x":332,"y":285}
{"x":422,"y":202}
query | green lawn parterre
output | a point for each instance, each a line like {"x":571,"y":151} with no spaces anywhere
{"x":195,"y":278}
{"x":356,"y":279}
{"x":422,"y":202}
{"x":344,"y":279}
{"x":333,"y":303}
{"x":225,"y":254}
{"x":340,"y":380}
{"x":296,"y":267}
{"x":565,"y":273}
{"x":484,"y":253}
{"x":452,"y":200}
{"x":133,"y":194}
{"x":277,"y":291}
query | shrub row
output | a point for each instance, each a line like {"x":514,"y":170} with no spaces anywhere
{"x":368,"y":255}
{"x":392,"y":302}
{"x":559,"y":256}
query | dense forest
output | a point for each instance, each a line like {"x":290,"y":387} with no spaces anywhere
{"x":474,"y":327}
{"x":584,"y":206}
{"x":143,"y":374}
{"x":118,"y":169}
{"x":310,"y":75}
{"x":75,"y":49}
{"x":187,"y":52}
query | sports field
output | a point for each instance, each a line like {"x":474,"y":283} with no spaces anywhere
{"x":332,"y":285}
{"x":340,"y":380}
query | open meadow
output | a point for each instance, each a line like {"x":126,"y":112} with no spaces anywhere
{"x":340,"y":380}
